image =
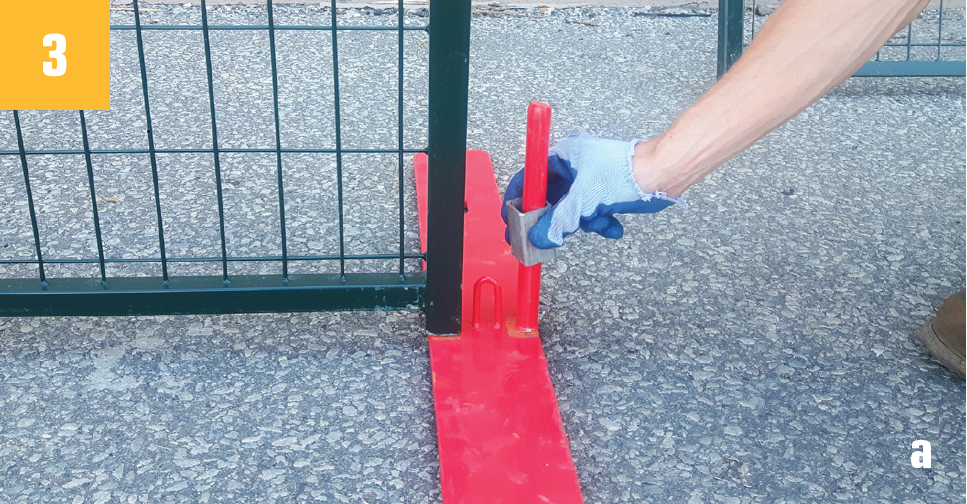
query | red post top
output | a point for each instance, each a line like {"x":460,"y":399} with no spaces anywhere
{"x":535,"y":197}
{"x":535,"y":163}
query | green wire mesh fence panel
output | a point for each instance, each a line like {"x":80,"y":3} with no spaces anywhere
{"x":933,"y":45}
{"x":255,"y":159}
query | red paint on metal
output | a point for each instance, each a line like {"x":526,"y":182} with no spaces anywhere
{"x":498,"y":301}
{"x":499,"y":430}
{"x":535,"y":162}
{"x":535,"y":197}
{"x":420,"y":176}
{"x":483,"y":232}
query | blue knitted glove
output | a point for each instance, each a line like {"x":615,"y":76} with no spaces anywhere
{"x":589,"y":180}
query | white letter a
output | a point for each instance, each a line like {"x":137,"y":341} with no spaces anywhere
{"x":921,"y":459}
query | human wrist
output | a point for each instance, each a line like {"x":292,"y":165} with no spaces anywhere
{"x":650,"y":175}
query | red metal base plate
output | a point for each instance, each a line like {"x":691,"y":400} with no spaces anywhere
{"x":499,"y":430}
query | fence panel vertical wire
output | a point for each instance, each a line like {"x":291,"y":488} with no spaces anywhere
{"x":152,"y":155}
{"x":335,"y":85}
{"x":30,"y":198}
{"x":278,"y":144}
{"x":90,"y":184}
{"x":399,"y":127}
{"x":909,"y":39}
{"x":939,"y":29}
{"x":218,"y":168}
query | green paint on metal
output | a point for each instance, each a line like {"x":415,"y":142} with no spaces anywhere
{"x":400,"y":22}
{"x":153,"y":260}
{"x":730,"y":46}
{"x":278,"y":144}
{"x":90,"y":184}
{"x":286,"y":292}
{"x":912,"y":69}
{"x":265,"y":150}
{"x":196,"y":295}
{"x":151,"y":149}
{"x":30,"y":197}
{"x":265,"y":27}
{"x":449,"y":81}
{"x":335,"y":92}
{"x":730,"y":33}
{"x":219,"y":193}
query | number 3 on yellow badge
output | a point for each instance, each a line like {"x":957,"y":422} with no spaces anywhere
{"x":55,"y":55}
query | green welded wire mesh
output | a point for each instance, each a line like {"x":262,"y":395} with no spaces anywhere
{"x":217,"y":151}
{"x":932,"y":45}
{"x":30,"y":198}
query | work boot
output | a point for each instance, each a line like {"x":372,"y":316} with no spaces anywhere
{"x":944,"y":335}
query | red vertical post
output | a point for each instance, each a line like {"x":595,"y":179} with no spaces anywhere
{"x":535,"y":197}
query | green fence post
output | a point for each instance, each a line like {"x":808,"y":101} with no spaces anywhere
{"x":730,"y":33}
{"x":449,"y":80}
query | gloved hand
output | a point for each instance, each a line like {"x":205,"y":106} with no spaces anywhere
{"x":589,"y":179}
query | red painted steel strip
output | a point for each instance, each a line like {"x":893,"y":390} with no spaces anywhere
{"x":420,"y":166}
{"x":499,"y":430}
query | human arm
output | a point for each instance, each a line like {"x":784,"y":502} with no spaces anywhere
{"x":804,"y":49}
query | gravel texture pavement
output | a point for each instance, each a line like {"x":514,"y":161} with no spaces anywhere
{"x":757,"y":347}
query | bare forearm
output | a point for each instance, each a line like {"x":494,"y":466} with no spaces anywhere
{"x":804,"y":49}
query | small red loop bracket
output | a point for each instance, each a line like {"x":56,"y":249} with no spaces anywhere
{"x":498,"y":302}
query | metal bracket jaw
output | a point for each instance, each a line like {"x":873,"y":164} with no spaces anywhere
{"x":519,"y":224}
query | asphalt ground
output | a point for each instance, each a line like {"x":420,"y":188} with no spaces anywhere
{"x":758,"y":346}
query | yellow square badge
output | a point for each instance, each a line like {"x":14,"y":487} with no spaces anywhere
{"x":55,"y":55}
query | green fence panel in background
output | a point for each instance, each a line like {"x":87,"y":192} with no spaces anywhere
{"x":938,"y":53}
{"x":437,"y":289}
